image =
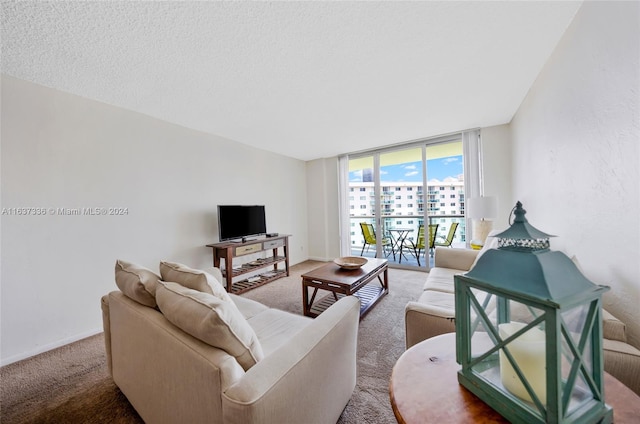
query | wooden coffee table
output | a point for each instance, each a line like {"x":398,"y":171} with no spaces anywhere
{"x":343,"y":282}
{"x":424,"y":389}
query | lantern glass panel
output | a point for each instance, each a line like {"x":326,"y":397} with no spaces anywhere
{"x":483,"y":319}
{"x":483,"y":315}
{"x":528,"y":351}
{"x":577,"y":354}
{"x":483,"y":327}
{"x":494,"y":318}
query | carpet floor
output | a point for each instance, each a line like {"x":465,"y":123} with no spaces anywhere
{"x":71,"y":384}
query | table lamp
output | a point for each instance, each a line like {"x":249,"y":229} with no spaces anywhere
{"x":482,"y":210}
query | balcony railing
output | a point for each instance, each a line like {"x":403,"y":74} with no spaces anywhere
{"x":410,"y":222}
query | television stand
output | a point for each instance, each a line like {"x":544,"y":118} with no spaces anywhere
{"x":228,"y":250}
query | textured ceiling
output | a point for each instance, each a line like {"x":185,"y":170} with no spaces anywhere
{"x":303,"y":79}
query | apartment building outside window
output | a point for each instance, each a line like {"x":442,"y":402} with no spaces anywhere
{"x":432,"y":173}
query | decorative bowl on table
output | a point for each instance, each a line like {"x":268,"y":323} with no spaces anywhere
{"x":350,"y":262}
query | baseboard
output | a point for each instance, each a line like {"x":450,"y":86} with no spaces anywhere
{"x":50,"y":346}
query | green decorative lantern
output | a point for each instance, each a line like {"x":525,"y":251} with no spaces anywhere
{"x":529,"y":332}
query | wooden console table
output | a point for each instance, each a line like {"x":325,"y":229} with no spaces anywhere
{"x":424,"y":389}
{"x":228,"y":250}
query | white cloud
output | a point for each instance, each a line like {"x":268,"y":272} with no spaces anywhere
{"x":408,"y":174}
{"x":410,"y":167}
{"x":447,"y":161}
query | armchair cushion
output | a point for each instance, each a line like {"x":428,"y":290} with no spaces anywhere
{"x":137,"y":282}
{"x":208,"y":318}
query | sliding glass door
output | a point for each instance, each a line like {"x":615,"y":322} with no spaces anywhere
{"x":446,"y":193}
{"x":364,"y":207}
{"x":404,"y":201}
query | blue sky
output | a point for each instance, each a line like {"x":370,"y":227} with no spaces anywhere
{"x":412,"y":171}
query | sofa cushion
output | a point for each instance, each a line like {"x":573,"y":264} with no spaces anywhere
{"x":441,"y":279}
{"x":211,"y":319}
{"x":440,"y":301}
{"x":137,"y":282}
{"x":275,"y":327}
{"x":454,"y":258}
{"x":248,"y":307}
{"x":193,"y":279}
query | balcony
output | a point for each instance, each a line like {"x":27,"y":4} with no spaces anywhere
{"x":389,"y":224}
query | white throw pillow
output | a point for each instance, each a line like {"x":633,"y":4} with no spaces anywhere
{"x":206,"y":317}
{"x":137,"y":282}
{"x":217,"y":274}
{"x":195,"y":279}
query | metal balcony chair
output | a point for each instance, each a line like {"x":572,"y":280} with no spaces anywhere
{"x":446,"y":241}
{"x":419,"y":244}
{"x":370,"y":239}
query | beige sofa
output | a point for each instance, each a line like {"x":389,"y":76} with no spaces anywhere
{"x":299,"y":369}
{"x":434,"y":313}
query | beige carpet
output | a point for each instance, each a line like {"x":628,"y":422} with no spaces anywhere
{"x":71,"y":384}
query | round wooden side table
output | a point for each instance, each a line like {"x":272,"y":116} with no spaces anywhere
{"x":424,"y":389}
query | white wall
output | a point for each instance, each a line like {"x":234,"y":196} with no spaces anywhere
{"x":496,"y":154}
{"x":63,"y":151}
{"x":576,"y":152}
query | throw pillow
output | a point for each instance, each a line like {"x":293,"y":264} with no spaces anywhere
{"x":208,"y":318}
{"x":137,"y":282}
{"x":193,"y":279}
{"x":217,"y":274}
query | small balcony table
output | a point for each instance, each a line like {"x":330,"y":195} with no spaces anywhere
{"x":397,"y":240}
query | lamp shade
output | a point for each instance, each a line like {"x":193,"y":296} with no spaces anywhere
{"x":483,"y":207}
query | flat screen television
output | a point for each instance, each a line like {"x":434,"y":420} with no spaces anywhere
{"x":239,"y":221}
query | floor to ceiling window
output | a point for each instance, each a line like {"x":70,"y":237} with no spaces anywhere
{"x":446,"y":193}
{"x":404,"y":201}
